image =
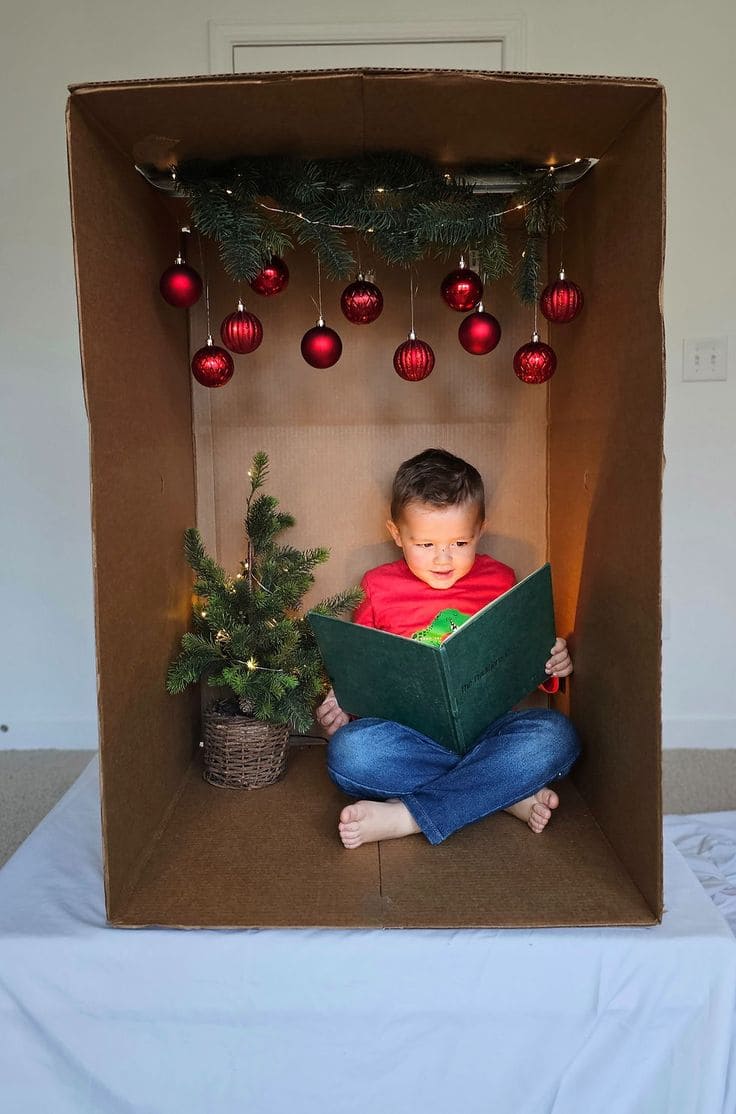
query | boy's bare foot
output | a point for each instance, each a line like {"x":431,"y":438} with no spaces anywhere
{"x":368,"y":821}
{"x":536,"y":810}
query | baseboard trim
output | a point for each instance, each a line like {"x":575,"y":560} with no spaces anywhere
{"x":53,"y":734}
{"x":699,"y":732}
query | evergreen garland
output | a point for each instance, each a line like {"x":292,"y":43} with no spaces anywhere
{"x":405,"y":208}
{"x":249,"y":635}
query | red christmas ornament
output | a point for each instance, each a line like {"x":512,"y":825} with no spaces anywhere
{"x":414,"y":359}
{"x":480,"y":332}
{"x":212,"y":366}
{"x":241,"y":331}
{"x":561,"y":301}
{"x":272,"y":279}
{"x":535,"y":362}
{"x":361,"y":302}
{"x":462,"y":289}
{"x":321,"y":346}
{"x":180,"y":285}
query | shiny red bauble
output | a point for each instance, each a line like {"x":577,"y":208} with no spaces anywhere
{"x":321,"y":346}
{"x":414,"y":359}
{"x":561,"y":301}
{"x":480,"y":332}
{"x":212,"y":366}
{"x":271,"y":279}
{"x":241,"y":331}
{"x":462,"y":289}
{"x":535,"y":362}
{"x":180,"y":285}
{"x":361,"y":302}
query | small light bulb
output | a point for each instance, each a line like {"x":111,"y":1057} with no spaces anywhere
{"x":229,"y":191}
{"x":252,"y":664}
{"x":204,"y":614}
{"x":519,"y":206}
{"x":380,"y":189}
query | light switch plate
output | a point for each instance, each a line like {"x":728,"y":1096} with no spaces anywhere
{"x":704,"y":358}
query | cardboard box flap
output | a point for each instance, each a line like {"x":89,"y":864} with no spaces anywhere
{"x":451,"y":116}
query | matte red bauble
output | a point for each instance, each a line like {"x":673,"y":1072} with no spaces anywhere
{"x":414,"y":359}
{"x":462,"y":289}
{"x":480,"y":332}
{"x":361,"y":302}
{"x":180,"y":285}
{"x":241,"y":331}
{"x":535,"y":362}
{"x":561,"y":301}
{"x":212,"y":366}
{"x":272,"y":279}
{"x":321,"y":346}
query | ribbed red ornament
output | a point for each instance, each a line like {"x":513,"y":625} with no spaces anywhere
{"x":180,"y":285}
{"x":361,"y":302}
{"x":561,"y":301}
{"x":462,"y":289}
{"x":480,"y":332}
{"x":321,"y":346}
{"x":535,"y":362}
{"x":212,"y":366}
{"x":272,"y":279}
{"x":241,"y":331}
{"x":414,"y":359}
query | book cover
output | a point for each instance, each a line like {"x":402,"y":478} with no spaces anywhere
{"x":452,"y":690}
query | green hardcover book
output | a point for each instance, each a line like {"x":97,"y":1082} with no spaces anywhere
{"x":451,"y":691}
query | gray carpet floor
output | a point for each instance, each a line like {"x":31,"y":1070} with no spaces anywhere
{"x":31,"y":782}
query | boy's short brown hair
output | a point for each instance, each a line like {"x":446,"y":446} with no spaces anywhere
{"x":438,"y":478}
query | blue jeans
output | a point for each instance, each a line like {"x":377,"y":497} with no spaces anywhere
{"x":515,"y":756}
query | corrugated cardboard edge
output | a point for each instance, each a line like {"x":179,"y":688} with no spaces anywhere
{"x":500,"y":75}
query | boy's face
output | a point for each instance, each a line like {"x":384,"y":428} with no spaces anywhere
{"x":438,"y":542}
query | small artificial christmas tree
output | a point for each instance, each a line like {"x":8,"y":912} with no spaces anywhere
{"x":249,"y":634}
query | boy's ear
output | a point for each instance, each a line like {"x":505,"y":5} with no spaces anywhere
{"x":394,"y":532}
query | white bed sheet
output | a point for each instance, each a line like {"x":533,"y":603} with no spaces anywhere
{"x":554,"y":1021}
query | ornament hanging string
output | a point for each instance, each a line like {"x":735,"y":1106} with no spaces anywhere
{"x":206,"y":280}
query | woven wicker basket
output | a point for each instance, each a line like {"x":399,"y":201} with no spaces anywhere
{"x":243,"y":753}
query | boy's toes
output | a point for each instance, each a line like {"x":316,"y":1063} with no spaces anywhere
{"x":351,"y":814}
{"x":548,"y":798}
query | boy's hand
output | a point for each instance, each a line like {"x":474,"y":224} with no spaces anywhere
{"x":559,"y":665}
{"x":330,"y":715}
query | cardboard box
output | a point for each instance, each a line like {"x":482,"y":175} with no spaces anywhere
{"x":573,"y":471}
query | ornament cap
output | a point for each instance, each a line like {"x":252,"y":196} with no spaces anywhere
{"x":320,"y":322}
{"x":535,"y":337}
{"x":562,"y":274}
{"x":241,"y":307}
{"x":412,"y":335}
{"x":210,"y":341}
{"x":479,"y":308}
{"x":461,"y":264}
{"x":179,"y":260}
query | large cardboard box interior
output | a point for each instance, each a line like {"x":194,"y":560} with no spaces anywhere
{"x":573,"y":471}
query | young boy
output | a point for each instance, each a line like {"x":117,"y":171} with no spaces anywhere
{"x":406,"y":782}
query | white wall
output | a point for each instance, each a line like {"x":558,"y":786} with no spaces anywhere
{"x":48,"y":690}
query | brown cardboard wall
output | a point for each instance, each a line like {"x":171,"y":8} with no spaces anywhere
{"x":335,"y":437}
{"x":605,"y":490}
{"x":139,"y":406}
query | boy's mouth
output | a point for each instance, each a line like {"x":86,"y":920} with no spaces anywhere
{"x":444,"y":573}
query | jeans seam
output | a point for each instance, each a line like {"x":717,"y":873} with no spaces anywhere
{"x":423,"y":819}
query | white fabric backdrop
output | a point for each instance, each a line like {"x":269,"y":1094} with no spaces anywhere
{"x":104,"y":1021}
